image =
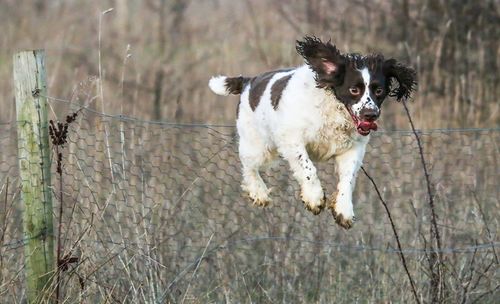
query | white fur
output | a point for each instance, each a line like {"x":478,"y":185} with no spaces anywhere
{"x":348,"y":165}
{"x":365,"y":101}
{"x":218,"y":85}
{"x":309,"y":123}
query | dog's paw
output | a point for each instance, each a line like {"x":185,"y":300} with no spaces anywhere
{"x":258,"y":195}
{"x":261,"y":202}
{"x":344,"y":221}
{"x":315,"y":209}
{"x":314,"y":199}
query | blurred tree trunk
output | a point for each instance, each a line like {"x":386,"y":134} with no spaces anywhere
{"x":312,"y":13}
{"x":172,"y":31}
{"x":40,"y":5}
{"x":406,"y":20}
{"x":122,"y":19}
{"x":158,"y":84}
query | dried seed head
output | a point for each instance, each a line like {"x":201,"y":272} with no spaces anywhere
{"x":71,"y":118}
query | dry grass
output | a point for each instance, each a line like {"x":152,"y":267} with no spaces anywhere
{"x":166,"y":221}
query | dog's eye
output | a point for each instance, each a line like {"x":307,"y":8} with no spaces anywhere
{"x":379,"y":91}
{"x":354,"y":91}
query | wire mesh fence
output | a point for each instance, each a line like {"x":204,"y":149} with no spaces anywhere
{"x":155,"y":213}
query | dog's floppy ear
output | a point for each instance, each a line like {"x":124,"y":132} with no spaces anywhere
{"x":404,"y":75}
{"x":324,"y":58}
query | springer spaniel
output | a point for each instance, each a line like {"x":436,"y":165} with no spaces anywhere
{"x":321,"y":110}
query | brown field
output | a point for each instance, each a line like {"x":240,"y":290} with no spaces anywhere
{"x":153,"y":210}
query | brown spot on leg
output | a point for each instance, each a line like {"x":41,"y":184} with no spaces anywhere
{"x":277,"y":90}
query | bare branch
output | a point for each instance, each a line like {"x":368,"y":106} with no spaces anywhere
{"x":395,"y":231}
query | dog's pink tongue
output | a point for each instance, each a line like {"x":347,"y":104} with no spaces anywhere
{"x":364,"y":127}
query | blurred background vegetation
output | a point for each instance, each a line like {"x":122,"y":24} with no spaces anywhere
{"x":153,"y":58}
{"x":157,"y":55}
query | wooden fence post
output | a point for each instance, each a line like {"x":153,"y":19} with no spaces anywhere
{"x":34,"y":170}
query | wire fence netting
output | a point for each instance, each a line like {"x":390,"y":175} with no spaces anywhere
{"x":155,"y":213}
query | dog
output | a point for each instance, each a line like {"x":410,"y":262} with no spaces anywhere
{"x":323,"y":109}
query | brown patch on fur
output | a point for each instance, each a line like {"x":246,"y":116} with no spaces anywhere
{"x":235,"y":85}
{"x":277,"y":90}
{"x":258,"y":85}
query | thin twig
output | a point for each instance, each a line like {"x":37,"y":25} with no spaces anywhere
{"x":482,"y":274}
{"x":101,"y":95}
{"x":483,"y":216}
{"x":4,"y":228}
{"x":196,"y":268}
{"x":427,"y":178}
{"x":469,"y":279}
{"x":486,"y":293}
{"x":394,"y":230}
{"x":436,"y":277}
{"x":59,"y":229}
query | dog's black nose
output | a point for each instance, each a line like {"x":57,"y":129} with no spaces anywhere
{"x":369,"y":114}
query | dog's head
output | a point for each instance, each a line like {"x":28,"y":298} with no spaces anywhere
{"x":361,"y":83}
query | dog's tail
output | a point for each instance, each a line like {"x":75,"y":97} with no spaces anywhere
{"x":223,"y":85}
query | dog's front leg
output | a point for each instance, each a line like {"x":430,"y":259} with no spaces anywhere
{"x":348,"y":165}
{"x":304,"y":171}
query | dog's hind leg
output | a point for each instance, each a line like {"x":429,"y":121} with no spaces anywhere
{"x":252,"y":151}
{"x":253,"y":156}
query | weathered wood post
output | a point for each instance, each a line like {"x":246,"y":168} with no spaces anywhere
{"x":34,"y":168}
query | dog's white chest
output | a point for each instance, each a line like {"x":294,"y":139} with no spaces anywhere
{"x":336,"y":133}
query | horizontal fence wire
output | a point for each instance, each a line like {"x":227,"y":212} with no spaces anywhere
{"x":152,"y":205}
{"x":338,"y":246}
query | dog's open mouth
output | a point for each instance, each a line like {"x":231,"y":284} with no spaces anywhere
{"x":362,"y":126}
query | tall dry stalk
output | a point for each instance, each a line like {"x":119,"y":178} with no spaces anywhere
{"x":435,"y":254}
{"x":59,"y":137}
{"x":396,"y":236}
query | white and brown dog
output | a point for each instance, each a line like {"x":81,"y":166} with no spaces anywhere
{"x":323,"y":109}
